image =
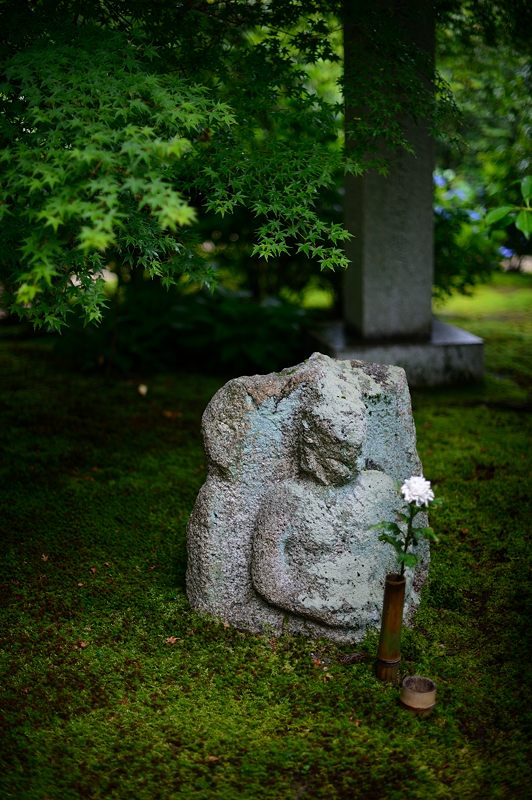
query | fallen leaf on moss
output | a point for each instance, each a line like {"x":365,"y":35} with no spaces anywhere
{"x":352,"y":658}
{"x":172,"y":414}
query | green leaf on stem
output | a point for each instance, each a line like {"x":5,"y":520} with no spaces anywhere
{"x":391,"y":527}
{"x":524,"y":222}
{"x":526,"y":188}
{"x":408,"y":559}
{"x":428,"y":533}
{"x":496,"y":214}
{"x":384,"y":537}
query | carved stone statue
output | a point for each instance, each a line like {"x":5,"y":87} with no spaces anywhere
{"x":301,"y":465}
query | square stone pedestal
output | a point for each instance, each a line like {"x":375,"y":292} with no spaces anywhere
{"x":451,"y":356}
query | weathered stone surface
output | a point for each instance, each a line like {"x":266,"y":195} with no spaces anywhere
{"x":301,"y":465}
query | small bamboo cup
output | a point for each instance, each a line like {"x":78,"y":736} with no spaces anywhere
{"x":418,"y":694}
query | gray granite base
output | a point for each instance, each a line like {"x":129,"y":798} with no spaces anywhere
{"x":451,"y":356}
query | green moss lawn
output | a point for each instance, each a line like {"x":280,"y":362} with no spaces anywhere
{"x":113,"y":688}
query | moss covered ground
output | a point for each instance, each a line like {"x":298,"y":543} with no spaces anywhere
{"x":113,"y":688}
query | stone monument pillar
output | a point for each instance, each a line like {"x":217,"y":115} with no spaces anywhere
{"x":388,"y":288}
{"x":387,"y":309}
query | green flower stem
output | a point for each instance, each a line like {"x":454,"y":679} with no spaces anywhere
{"x":409,"y":538}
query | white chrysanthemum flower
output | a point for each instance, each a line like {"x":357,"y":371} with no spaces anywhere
{"x":417,"y":490}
